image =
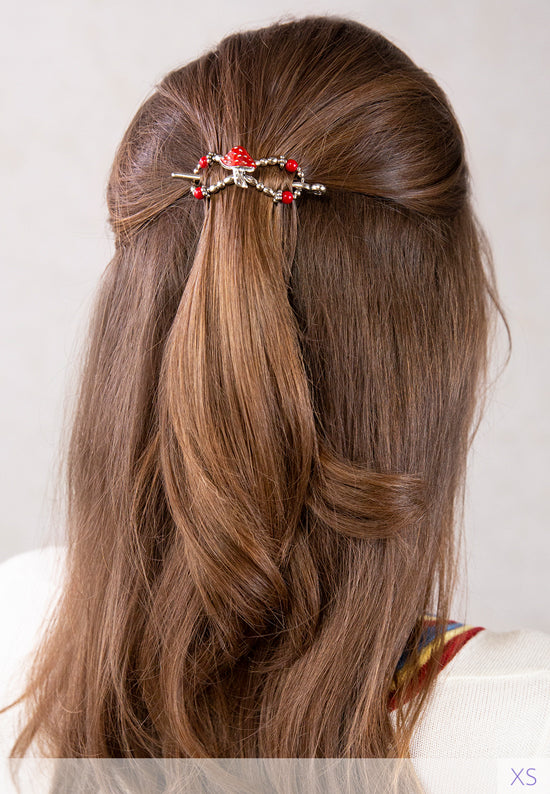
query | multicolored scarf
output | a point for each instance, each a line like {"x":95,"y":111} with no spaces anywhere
{"x":456,"y":636}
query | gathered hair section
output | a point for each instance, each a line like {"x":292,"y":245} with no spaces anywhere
{"x":237,"y":434}
{"x":362,"y":503}
{"x":268,"y":445}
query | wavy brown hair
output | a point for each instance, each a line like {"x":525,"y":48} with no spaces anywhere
{"x":267,"y":453}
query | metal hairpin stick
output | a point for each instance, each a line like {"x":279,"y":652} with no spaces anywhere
{"x":192,"y":177}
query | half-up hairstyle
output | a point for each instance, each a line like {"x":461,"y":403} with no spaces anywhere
{"x":268,"y":447}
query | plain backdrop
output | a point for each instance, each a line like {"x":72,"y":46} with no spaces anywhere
{"x":73,"y":75}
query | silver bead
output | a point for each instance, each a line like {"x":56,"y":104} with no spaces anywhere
{"x":299,"y":184}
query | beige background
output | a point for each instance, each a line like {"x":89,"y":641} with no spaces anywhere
{"x":73,"y":76}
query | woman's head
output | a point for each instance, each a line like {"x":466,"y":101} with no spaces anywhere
{"x":268,"y":449}
{"x":351,"y":106}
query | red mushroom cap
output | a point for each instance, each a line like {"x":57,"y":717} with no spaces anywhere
{"x":238,"y":157}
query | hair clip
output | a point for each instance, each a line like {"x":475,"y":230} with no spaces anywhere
{"x":242,"y":165}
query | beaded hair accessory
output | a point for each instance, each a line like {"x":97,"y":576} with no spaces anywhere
{"x":242,"y":165}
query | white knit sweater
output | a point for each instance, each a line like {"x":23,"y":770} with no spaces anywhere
{"x":491,"y":702}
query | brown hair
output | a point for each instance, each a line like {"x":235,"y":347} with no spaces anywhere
{"x":267,"y":454}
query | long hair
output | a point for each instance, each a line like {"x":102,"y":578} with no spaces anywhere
{"x":267,"y":453}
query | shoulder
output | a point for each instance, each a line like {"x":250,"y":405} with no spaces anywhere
{"x":37,"y":563}
{"x":503,"y":653}
{"x":30,"y":583}
{"x":491,"y":700}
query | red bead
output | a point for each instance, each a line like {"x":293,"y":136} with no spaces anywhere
{"x":198,"y":192}
{"x":287,"y":197}
{"x":291,"y":166}
{"x":203,"y":162}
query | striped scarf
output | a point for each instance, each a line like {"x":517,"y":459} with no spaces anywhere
{"x":456,"y":636}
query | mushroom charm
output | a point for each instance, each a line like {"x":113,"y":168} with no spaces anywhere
{"x":239,"y":161}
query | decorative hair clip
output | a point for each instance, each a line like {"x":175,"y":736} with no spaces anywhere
{"x":242,"y":165}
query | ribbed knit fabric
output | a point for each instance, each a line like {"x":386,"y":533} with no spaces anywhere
{"x":491,"y":699}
